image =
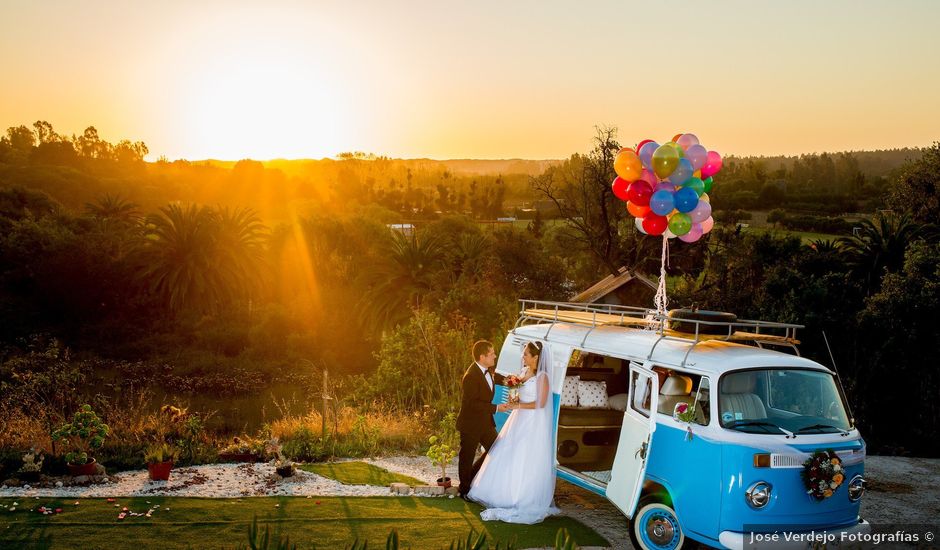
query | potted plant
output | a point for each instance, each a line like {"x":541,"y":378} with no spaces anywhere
{"x":443,"y":447}
{"x":84,"y":433}
{"x":32,"y":465}
{"x":242,"y":449}
{"x":282,"y":465}
{"x":160,"y":458}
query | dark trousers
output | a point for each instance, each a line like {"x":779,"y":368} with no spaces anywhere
{"x":466,"y":467}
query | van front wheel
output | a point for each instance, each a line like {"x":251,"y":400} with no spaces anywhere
{"x":655,"y":527}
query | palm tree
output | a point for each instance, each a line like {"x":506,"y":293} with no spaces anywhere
{"x":879,"y":246}
{"x":202,"y":259}
{"x":113,"y":208}
{"x":404,"y":273}
{"x":118,"y":222}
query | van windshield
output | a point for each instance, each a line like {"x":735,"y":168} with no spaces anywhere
{"x":781,"y":400}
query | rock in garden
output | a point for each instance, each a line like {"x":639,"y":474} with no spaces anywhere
{"x":429,"y":490}
{"x":399,"y":488}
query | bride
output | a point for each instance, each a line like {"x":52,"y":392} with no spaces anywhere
{"x":516,"y":482}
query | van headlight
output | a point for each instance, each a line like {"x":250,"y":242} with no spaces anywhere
{"x":856,"y":488}
{"x":758,"y":494}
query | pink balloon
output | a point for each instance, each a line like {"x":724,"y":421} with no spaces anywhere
{"x":693,"y":235}
{"x":708,"y":224}
{"x":649,"y":177}
{"x":701,"y":212}
{"x":687,"y":140}
{"x":668,"y":186}
{"x":712,"y":165}
{"x":697,"y":155}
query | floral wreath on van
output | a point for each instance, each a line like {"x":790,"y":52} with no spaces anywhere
{"x":822,"y":474}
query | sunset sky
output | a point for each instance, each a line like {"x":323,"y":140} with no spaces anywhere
{"x":478,"y":79}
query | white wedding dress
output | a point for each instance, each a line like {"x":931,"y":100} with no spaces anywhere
{"x":516,"y":482}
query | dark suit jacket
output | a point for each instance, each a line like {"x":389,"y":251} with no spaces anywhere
{"x":476,"y":407}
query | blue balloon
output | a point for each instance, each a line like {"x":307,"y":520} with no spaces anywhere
{"x":686,"y":199}
{"x":663,"y":202}
{"x":646,"y":153}
{"x":682,"y":173}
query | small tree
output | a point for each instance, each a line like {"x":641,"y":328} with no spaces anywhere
{"x":777,"y":215}
{"x":444,"y":445}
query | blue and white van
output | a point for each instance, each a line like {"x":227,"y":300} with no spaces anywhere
{"x":728,"y":468}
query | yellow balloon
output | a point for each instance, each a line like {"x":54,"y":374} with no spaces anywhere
{"x":627,"y":165}
{"x":697,"y":174}
{"x":705,"y":198}
{"x":665,"y":160}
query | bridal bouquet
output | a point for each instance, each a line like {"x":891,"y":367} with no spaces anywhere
{"x":513,"y":382}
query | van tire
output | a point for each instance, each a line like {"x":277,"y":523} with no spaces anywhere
{"x":676,"y":317}
{"x":642,"y":534}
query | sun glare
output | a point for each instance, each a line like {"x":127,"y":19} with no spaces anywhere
{"x":265,"y":106}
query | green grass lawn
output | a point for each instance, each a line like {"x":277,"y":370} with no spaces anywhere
{"x":358,"y":473}
{"x":327,"y":522}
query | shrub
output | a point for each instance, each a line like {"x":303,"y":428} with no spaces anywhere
{"x":83,"y":434}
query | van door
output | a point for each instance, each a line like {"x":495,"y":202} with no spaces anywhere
{"x":639,"y":421}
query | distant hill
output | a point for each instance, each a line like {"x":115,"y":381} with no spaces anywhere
{"x":455,"y":166}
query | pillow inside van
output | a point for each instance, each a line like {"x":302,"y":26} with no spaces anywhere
{"x":618,"y":402}
{"x":592,"y":394}
{"x":569,"y":393}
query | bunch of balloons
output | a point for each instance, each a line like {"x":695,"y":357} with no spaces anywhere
{"x":666,"y":186}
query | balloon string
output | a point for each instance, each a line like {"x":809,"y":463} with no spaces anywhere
{"x":660,"y":299}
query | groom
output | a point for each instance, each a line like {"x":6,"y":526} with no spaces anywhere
{"x":475,"y":421}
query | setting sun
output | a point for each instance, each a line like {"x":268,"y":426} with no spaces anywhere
{"x":264,"y":107}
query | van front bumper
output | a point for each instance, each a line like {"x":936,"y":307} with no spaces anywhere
{"x":817,"y":538}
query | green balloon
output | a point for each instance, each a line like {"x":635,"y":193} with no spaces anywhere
{"x":677,"y":147}
{"x":665,"y":160}
{"x":708,"y":184}
{"x":696,"y":185}
{"x":680,"y":224}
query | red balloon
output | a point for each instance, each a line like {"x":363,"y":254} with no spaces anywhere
{"x":639,"y":193}
{"x":619,"y":187}
{"x":642,"y":143}
{"x":654,"y":224}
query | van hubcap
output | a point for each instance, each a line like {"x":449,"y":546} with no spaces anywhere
{"x":660,"y":531}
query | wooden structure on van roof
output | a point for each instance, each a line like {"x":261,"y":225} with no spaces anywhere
{"x":743,"y":331}
{"x":625,"y":288}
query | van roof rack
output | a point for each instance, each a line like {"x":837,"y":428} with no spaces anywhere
{"x":746,"y":331}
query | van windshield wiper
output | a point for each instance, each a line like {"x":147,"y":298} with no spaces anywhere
{"x":759,"y":423}
{"x":821,"y":427}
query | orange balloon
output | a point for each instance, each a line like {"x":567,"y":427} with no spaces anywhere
{"x":628,"y":166}
{"x":636,"y":210}
{"x":622,"y":149}
{"x":676,"y":137}
{"x":697,"y":174}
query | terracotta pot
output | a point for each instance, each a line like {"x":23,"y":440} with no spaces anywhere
{"x":285,"y":471}
{"x":88,"y":469}
{"x":160,"y":471}
{"x":443,"y":482}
